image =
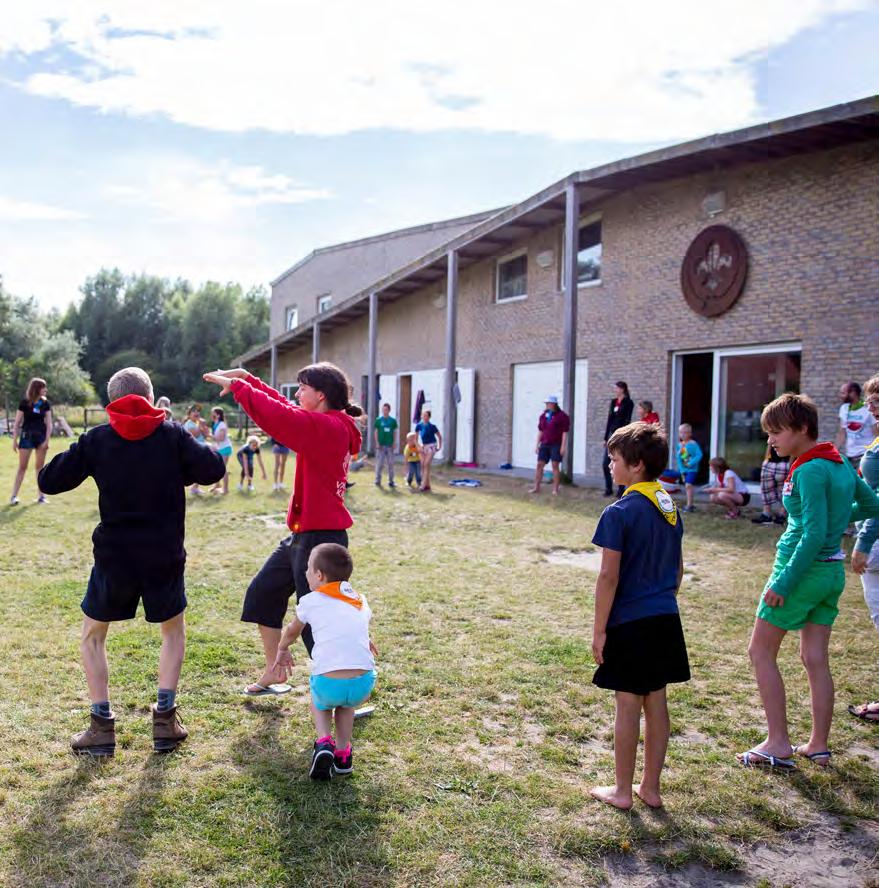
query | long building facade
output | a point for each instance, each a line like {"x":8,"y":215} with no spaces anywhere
{"x":710,"y":276}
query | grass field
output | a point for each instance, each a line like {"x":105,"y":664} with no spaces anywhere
{"x":487,"y":735}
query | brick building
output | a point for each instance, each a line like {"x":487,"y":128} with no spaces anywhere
{"x":490,"y":308}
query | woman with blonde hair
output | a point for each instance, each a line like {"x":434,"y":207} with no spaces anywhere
{"x":31,"y":431}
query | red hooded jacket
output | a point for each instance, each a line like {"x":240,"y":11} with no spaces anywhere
{"x":133,"y":417}
{"x":324,"y":444}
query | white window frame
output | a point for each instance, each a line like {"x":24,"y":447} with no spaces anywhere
{"x":288,"y":389}
{"x":718,"y":354}
{"x":502,"y":260}
{"x":294,"y":309}
{"x":323,"y":308}
{"x":584,"y":221}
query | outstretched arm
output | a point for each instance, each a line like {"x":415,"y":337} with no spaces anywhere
{"x":67,"y":470}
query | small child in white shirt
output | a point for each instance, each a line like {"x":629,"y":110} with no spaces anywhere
{"x":342,"y":660}
{"x":728,"y":489}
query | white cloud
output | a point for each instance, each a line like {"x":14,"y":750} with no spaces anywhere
{"x":13,"y":210}
{"x":185,"y":189}
{"x":640,"y":71}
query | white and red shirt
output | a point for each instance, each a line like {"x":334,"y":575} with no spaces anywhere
{"x":859,"y":428}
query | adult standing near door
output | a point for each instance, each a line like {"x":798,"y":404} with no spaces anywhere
{"x":618,"y":415}
{"x":31,"y":431}
{"x":857,"y":428}
{"x":553,"y":426}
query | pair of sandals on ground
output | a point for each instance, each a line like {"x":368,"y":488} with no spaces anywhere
{"x":755,"y":758}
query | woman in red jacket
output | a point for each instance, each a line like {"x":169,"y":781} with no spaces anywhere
{"x":322,"y":432}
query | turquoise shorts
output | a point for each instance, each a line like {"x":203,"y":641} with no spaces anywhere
{"x":328,"y":693}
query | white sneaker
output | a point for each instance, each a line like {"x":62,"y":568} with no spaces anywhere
{"x":14,"y":501}
{"x":250,"y":488}
{"x":42,"y":498}
{"x":241,"y":487}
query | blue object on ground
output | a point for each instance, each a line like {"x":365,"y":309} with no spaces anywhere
{"x":465,"y":482}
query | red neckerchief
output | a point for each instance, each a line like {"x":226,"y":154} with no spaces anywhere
{"x":616,"y":404}
{"x":824,"y":450}
{"x":720,"y":478}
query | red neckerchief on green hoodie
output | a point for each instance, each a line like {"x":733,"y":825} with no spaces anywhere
{"x":824,"y":450}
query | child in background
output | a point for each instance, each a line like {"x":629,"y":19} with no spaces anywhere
{"x":342,"y":659}
{"x":689,"y":457}
{"x":198,"y":428}
{"x":431,"y":440}
{"x":637,"y":640}
{"x":728,"y":490}
{"x":245,"y":460}
{"x":772,"y":474}
{"x":644,"y":409}
{"x":281,"y":452}
{"x":220,"y":434}
{"x":412,"y":458}
{"x":164,"y":403}
{"x":822,"y":494}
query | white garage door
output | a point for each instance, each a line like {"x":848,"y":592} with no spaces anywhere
{"x":531,"y":384}
{"x":432,"y":383}
{"x":387,"y":389}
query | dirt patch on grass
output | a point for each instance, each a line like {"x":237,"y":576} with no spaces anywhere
{"x":588,"y":559}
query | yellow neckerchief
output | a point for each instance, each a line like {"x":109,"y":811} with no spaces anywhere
{"x":341,"y":592}
{"x":657,"y":495}
{"x":873,"y":444}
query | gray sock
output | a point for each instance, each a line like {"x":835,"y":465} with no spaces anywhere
{"x":102,"y":709}
{"x":165,"y":700}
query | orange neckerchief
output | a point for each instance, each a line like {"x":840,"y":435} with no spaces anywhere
{"x":825,"y":450}
{"x":341,"y":592}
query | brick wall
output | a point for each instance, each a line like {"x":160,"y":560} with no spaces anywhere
{"x":811,"y":225}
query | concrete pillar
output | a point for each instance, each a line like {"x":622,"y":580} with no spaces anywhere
{"x":371,"y":389}
{"x":450,"y":417}
{"x":569,"y":327}
{"x":315,"y":342}
{"x":273,"y":373}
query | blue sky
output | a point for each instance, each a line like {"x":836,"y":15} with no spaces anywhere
{"x":224,"y":141}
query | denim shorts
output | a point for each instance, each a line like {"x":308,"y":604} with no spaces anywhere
{"x":549,"y":453}
{"x":689,"y":477}
{"x":32,"y":440}
{"x":328,"y":693}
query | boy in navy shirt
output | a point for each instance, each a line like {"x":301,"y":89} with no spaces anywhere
{"x":637,"y":639}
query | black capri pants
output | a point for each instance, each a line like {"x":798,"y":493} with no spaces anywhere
{"x":268,"y":594}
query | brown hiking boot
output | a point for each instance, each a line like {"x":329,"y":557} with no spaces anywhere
{"x":99,"y":739}
{"x":168,"y":730}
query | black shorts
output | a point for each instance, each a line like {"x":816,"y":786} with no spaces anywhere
{"x":268,"y":594}
{"x":746,"y":498}
{"x":549,"y":453}
{"x":644,"y":655}
{"x":114,"y":595}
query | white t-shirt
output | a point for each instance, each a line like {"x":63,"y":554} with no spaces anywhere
{"x":859,"y":428}
{"x":340,"y":630}
{"x":740,"y":486}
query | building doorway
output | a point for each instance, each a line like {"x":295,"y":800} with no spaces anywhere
{"x":722,"y":393}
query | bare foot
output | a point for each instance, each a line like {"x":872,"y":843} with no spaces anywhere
{"x":610,"y":796}
{"x":533,"y":490}
{"x":555,"y":493}
{"x":650,"y":797}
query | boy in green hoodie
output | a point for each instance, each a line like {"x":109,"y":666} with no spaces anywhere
{"x":821,"y":494}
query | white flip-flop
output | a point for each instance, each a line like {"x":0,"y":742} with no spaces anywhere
{"x":272,"y":690}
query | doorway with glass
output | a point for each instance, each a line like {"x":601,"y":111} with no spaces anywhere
{"x":722,"y":392}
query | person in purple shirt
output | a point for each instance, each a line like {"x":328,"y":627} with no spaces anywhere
{"x":552,"y":442}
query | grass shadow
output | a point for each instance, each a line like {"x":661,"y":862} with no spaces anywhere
{"x":331,"y":825}
{"x":58,"y":846}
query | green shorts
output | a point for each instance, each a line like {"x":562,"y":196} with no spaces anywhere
{"x":813,"y":600}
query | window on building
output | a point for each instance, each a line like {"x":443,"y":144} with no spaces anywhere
{"x":589,"y":253}
{"x":291,"y":321}
{"x":324,"y":304}
{"x":288,"y":390}
{"x":512,"y":278}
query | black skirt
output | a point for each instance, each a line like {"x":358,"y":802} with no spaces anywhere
{"x":644,"y":655}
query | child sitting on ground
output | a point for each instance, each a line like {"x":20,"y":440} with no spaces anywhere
{"x":412,"y":458}
{"x":142,"y":465}
{"x":637,"y":640}
{"x":689,"y":457}
{"x":245,"y":460}
{"x":342,"y":659}
{"x":728,"y":489}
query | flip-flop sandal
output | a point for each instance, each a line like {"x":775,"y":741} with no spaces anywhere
{"x":866,"y":714}
{"x":753,"y":758}
{"x":273,"y":690}
{"x":822,"y":759}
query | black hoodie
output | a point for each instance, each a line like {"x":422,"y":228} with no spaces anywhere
{"x":142,"y":466}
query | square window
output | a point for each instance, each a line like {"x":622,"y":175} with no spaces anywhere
{"x":324,"y":304}
{"x":288,"y":390}
{"x":291,"y":321}
{"x":512,"y":278}
{"x":589,"y":253}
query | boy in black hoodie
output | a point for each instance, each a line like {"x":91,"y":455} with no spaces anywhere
{"x":142,"y":465}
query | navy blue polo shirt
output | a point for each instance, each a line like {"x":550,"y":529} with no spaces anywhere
{"x":651,"y":555}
